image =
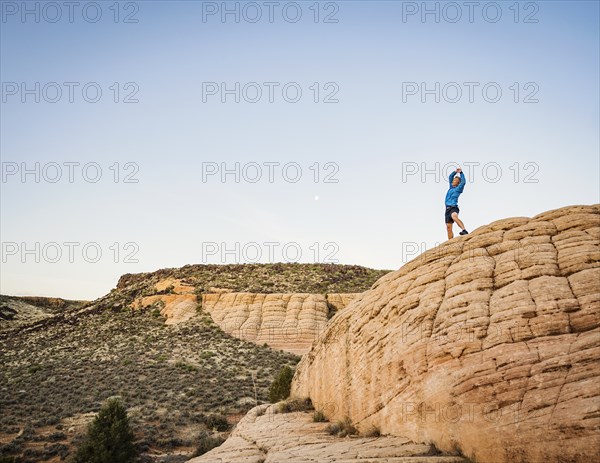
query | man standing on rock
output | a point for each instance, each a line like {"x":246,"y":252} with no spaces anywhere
{"x":457,"y":185}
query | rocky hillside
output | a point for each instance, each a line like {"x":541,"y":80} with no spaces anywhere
{"x":256,"y":278}
{"x":176,"y":370}
{"x":21,"y":310}
{"x":488,"y":345}
{"x":285,"y":306}
{"x":287,"y":321}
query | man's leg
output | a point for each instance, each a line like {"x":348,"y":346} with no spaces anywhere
{"x":449,"y":230}
{"x":458,"y":221}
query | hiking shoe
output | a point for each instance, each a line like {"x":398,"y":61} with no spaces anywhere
{"x":464,"y":232}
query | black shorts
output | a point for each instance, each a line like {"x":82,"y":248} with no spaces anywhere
{"x":449,"y":211}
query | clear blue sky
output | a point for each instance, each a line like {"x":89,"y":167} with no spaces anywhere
{"x":378,"y":129}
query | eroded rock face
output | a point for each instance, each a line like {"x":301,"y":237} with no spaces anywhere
{"x":488,"y":344}
{"x":287,"y":321}
{"x":178,"y":305}
{"x":339,"y":301}
{"x":290,"y":322}
{"x":269,"y":437}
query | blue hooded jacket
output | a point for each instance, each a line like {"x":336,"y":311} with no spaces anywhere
{"x":455,"y":191}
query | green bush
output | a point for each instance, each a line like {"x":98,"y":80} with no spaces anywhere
{"x":217,"y":421}
{"x":206,"y":443}
{"x":156,"y":313}
{"x":280,"y":388}
{"x":170,"y":289}
{"x":109,"y":437}
{"x":186,"y":366}
{"x":34,"y":369}
{"x":207,"y":354}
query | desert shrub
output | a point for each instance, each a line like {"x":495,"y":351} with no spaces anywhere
{"x":342,"y":428}
{"x":109,"y":437}
{"x":319,"y":417}
{"x":280,"y":388}
{"x":216,"y":421}
{"x":56,"y":436}
{"x":206,"y":443}
{"x":27,"y":434}
{"x":295,"y":405}
{"x":186,"y":367}
{"x":170,"y":443}
{"x":207,"y":354}
{"x":331,"y":310}
{"x":34,"y":369}
{"x":10,"y":447}
{"x":334,"y":428}
{"x":168,"y":290}
{"x":155,"y":313}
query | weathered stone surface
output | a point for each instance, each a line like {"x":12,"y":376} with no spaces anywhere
{"x":269,"y":437}
{"x":339,"y":301}
{"x":177,"y":306}
{"x":488,"y":344}
{"x":287,"y":321}
{"x":291,"y":322}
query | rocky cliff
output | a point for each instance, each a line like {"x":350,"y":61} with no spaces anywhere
{"x":285,"y":306}
{"x":287,"y":321}
{"x":488,"y":345}
{"x":290,"y":322}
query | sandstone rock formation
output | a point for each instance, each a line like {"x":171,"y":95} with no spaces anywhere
{"x":339,"y":301}
{"x":178,"y":305}
{"x":291,"y":322}
{"x":265,"y":436}
{"x":488,"y":344}
{"x":176,"y":308}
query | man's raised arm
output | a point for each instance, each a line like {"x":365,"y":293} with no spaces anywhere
{"x":452,"y":174}
{"x":463,"y":181}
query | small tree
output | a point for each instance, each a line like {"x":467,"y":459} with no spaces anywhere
{"x":109,"y":437}
{"x":280,"y":388}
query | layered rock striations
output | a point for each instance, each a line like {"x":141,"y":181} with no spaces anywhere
{"x":488,"y":345}
{"x":264,"y":436}
{"x":287,"y":321}
{"x":291,"y":322}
